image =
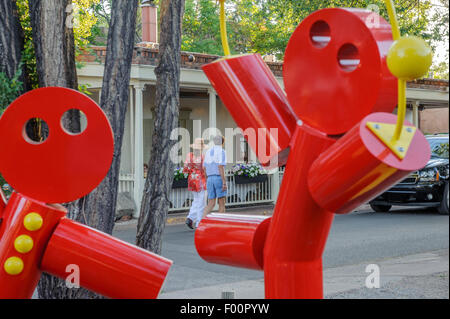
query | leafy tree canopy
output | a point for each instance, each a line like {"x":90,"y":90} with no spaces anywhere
{"x":265,"y":26}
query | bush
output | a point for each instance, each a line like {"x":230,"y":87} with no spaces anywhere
{"x":248,"y":170}
{"x":179,"y":175}
{"x":10,"y":89}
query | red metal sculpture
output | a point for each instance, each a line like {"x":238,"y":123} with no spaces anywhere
{"x":35,"y":235}
{"x":338,"y":87}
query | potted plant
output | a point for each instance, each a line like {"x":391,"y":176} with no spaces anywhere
{"x":180,"y":179}
{"x":249,"y":173}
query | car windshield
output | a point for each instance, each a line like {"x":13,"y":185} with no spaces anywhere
{"x":439,"y":146}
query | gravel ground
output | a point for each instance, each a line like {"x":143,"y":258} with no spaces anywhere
{"x":434,"y":286}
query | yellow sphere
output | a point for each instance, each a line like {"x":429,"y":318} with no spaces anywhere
{"x":13,"y":266}
{"x":33,"y":221}
{"x":23,"y":244}
{"x":409,"y":58}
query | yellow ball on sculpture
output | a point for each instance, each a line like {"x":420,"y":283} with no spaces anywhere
{"x":13,"y":266}
{"x":23,"y":244}
{"x":33,"y":221}
{"x":409,"y":58}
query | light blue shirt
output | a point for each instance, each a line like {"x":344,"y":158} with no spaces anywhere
{"x":214,"y":157}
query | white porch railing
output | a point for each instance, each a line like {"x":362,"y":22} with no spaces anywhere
{"x":238,"y":194}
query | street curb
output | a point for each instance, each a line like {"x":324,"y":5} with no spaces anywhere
{"x":180,"y":218}
{"x":266,"y":210}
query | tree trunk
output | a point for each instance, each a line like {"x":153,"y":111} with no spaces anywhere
{"x":53,"y":50}
{"x":98,"y":208}
{"x":54,"y":43}
{"x":155,"y":203}
{"x":11,"y":41}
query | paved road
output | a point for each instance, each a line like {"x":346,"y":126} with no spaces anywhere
{"x":354,"y":238}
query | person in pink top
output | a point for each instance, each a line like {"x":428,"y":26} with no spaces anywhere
{"x":196,"y":182}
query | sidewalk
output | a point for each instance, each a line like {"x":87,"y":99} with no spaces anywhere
{"x":180,"y":218}
{"x":266,"y":210}
{"x":421,"y":276}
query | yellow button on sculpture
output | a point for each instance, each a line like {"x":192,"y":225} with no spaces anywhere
{"x":409,"y":58}
{"x":13,"y":266}
{"x":23,"y":244}
{"x":33,"y":221}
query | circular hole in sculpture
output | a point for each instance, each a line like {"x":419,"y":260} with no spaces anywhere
{"x":35,"y":131}
{"x":320,"y":34}
{"x":348,"y":57}
{"x":74,"y":122}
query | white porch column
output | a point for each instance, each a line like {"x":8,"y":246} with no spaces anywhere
{"x":132,"y":106}
{"x":212,"y":109}
{"x":275,"y":185}
{"x":416,"y":113}
{"x":213,"y":124}
{"x":139,"y":148}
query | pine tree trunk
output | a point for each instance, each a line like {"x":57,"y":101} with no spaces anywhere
{"x":11,"y":41}
{"x":155,"y":203}
{"x":98,"y":208}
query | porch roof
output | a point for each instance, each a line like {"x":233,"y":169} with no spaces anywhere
{"x":193,"y":60}
{"x":430,"y":92}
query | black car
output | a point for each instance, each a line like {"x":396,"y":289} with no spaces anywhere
{"x":426,"y":187}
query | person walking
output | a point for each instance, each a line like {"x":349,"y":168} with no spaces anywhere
{"x":216,"y":184}
{"x":196,"y":182}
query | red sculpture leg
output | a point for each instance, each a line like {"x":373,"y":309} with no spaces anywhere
{"x":107,"y":265}
{"x":27,"y":225}
{"x":234,"y":240}
{"x":299,"y":227}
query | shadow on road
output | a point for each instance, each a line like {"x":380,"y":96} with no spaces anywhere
{"x":402,"y":210}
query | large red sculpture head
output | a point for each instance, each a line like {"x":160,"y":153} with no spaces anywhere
{"x":65,"y":166}
{"x":335,"y":70}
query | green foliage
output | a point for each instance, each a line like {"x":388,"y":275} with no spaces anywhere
{"x":10,"y":89}
{"x":265,"y":26}
{"x":440,"y":70}
{"x":87,"y":29}
{"x":178,"y":174}
{"x":28,"y":53}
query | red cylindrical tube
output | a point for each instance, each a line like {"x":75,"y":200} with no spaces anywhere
{"x":299,"y":227}
{"x":257,"y":103}
{"x":234,"y":240}
{"x":360,"y":166}
{"x":107,"y":265}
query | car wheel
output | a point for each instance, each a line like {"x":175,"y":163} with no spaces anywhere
{"x":443,"y":209}
{"x":380,"y":208}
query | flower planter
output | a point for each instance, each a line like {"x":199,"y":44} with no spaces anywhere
{"x":239,"y":179}
{"x":182,"y":183}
